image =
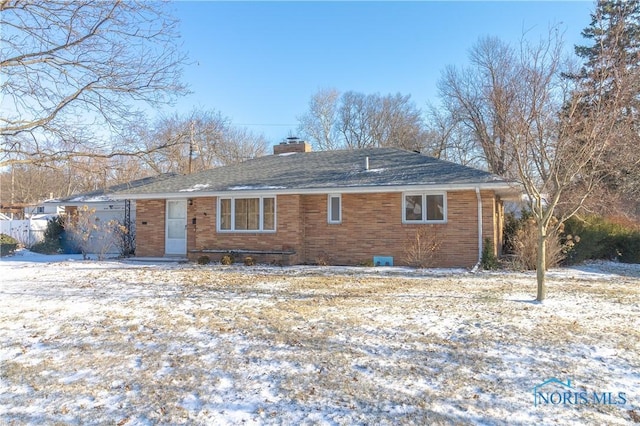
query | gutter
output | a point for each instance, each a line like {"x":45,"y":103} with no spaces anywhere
{"x":499,"y":187}
{"x":479,"y":198}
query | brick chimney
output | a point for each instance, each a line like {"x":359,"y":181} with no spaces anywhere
{"x":292,"y":144}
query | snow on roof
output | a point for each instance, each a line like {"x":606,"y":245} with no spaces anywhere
{"x":196,"y":187}
{"x":91,"y":199}
{"x":254,"y":187}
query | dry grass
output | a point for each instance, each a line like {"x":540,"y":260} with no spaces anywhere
{"x":201,"y":345}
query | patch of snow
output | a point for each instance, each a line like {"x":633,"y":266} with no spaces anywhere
{"x":24,"y":255}
{"x":196,"y":187}
{"x":191,"y":402}
{"x":254,"y":188}
{"x":76,"y":376}
{"x":88,"y":199}
{"x":122,"y":343}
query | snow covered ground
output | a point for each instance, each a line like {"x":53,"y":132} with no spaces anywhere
{"x":86,"y":342}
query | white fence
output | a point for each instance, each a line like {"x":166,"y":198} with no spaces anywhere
{"x":27,"y":232}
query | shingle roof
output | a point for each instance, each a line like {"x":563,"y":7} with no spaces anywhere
{"x":105,"y":193}
{"x":331,"y":170}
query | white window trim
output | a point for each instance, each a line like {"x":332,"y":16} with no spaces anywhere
{"x":329,"y":221}
{"x":260,"y":220}
{"x":424,"y":207}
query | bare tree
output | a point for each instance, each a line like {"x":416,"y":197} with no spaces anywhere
{"x":196,"y":141}
{"x":449,"y":139}
{"x":481,"y":98}
{"x":74,"y":72}
{"x":181,"y":143}
{"x":240,"y":144}
{"x":32,"y":183}
{"x":318,"y":125}
{"x":399,"y":123}
{"x":27,"y":183}
{"x":534,"y":125}
{"x":356,"y":120}
{"x":203,"y":138}
{"x":124,"y":169}
{"x":557,"y":149}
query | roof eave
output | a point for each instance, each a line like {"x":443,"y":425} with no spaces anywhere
{"x":506,"y":190}
{"x":82,"y":203}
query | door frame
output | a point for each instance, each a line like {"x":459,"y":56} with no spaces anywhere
{"x":174,"y":246}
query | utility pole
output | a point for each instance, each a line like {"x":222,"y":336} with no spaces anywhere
{"x":190,"y":146}
{"x":13,"y":183}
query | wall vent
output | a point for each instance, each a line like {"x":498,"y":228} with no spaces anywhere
{"x":382,"y":261}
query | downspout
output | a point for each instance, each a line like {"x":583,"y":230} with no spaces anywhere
{"x":477,"y":265}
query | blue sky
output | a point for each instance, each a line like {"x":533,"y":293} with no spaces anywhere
{"x":259,"y":63}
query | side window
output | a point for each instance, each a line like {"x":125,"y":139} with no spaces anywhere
{"x":435,"y":207}
{"x":225,"y":214}
{"x":247,"y":214}
{"x":413,"y":208}
{"x":334,"y":209}
{"x":269,"y":214}
{"x":424,"y":208}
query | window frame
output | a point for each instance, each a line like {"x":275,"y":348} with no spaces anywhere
{"x":330,"y":220}
{"x":261,"y":216}
{"x":423,"y":195}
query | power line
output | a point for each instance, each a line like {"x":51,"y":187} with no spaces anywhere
{"x":265,"y":124}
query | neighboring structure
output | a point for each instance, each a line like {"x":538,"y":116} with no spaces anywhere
{"x":101,"y":200}
{"x":45,"y":209}
{"x":15,"y":211}
{"x":20,"y":223}
{"x":338,"y":207}
{"x":105,"y":207}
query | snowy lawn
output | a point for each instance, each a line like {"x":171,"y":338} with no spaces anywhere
{"x":134,"y":344}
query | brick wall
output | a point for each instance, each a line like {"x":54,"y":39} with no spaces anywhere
{"x":371,"y":225}
{"x":299,"y":146}
{"x":150,"y":228}
{"x":489,"y":220}
{"x":203,"y":235}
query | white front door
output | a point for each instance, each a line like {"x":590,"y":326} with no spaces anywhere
{"x":176,"y":227}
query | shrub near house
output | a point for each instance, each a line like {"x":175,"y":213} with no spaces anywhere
{"x":53,"y":237}
{"x":521,"y":242}
{"x":600,"y":238}
{"x":92,"y":235}
{"x":8,"y":245}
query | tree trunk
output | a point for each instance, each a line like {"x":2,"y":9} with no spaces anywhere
{"x":541,"y":265}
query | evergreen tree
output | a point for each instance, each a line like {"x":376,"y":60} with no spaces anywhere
{"x":609,"y":82}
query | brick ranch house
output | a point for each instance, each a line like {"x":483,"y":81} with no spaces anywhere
{"x":335,"y":207}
